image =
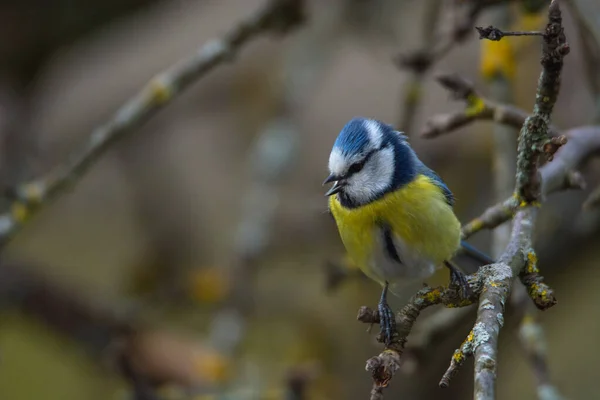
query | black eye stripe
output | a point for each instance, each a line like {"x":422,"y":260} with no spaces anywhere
{"x":358,"y":166}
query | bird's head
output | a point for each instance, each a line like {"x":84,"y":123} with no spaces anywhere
{"x":369,"y":159}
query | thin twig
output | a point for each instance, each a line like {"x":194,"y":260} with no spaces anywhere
{"x":495,"y":34}
{"x":477,"y":108}
{"x":278,"y":16}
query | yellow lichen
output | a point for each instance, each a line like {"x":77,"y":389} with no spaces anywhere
{"x":531,"y":266}
{"x":433,"y":296}
{"x":497,"y":59}
{"x":458,"y":356}
{"x":475,"y":106}
{"x":19,"y":212}
{"x":159,"y":91}
{"x":476,"y":224}
{"x":471,"y":336}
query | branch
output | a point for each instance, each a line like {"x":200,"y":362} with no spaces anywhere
{"x":278,"y":16}
{"x":519,"y":253}
{"x":560,"y":174}
{"x":533,"y":139}
{"x":478,"y":108}
{"x":490,"y":314}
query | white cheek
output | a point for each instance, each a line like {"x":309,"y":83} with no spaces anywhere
{"x":375,"y":178}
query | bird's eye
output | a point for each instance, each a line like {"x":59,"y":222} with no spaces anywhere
{"x":356,"y":167}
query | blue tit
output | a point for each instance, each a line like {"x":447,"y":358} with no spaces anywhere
{"x":394,"y":214}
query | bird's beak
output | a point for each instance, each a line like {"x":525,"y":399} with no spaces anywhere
{"x":338,"y":184}
{"x":330,"y":178}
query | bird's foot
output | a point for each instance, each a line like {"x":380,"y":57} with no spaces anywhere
{"x":387,"y":320}
{"x":458,"y":279}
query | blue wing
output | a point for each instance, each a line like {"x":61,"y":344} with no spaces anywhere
{"x":428,"y":172}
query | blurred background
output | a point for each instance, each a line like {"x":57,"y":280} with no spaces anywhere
{"x":196,"y":257}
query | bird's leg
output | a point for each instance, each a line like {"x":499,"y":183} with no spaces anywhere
{"x":459,"y":279}
{"x":387,"y":320}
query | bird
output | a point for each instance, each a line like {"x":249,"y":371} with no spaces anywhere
{"x":394,"y":214}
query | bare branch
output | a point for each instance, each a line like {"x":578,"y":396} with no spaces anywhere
{"x":278,"y":16}
{"x":478,"y":108}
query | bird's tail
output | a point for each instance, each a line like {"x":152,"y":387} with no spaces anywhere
{"x":475,"y":253}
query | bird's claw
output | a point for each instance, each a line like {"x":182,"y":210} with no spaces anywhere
{"x":459,"y":280}
{"x":387,"y":320}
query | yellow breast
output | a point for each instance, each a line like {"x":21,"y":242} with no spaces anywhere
{"x":417,"y":213}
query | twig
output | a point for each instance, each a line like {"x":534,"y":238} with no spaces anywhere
{"x":477,"y":108}
{"x":278,"y":16}
{"x":495,"y":34}
{"x":458,"y":358}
